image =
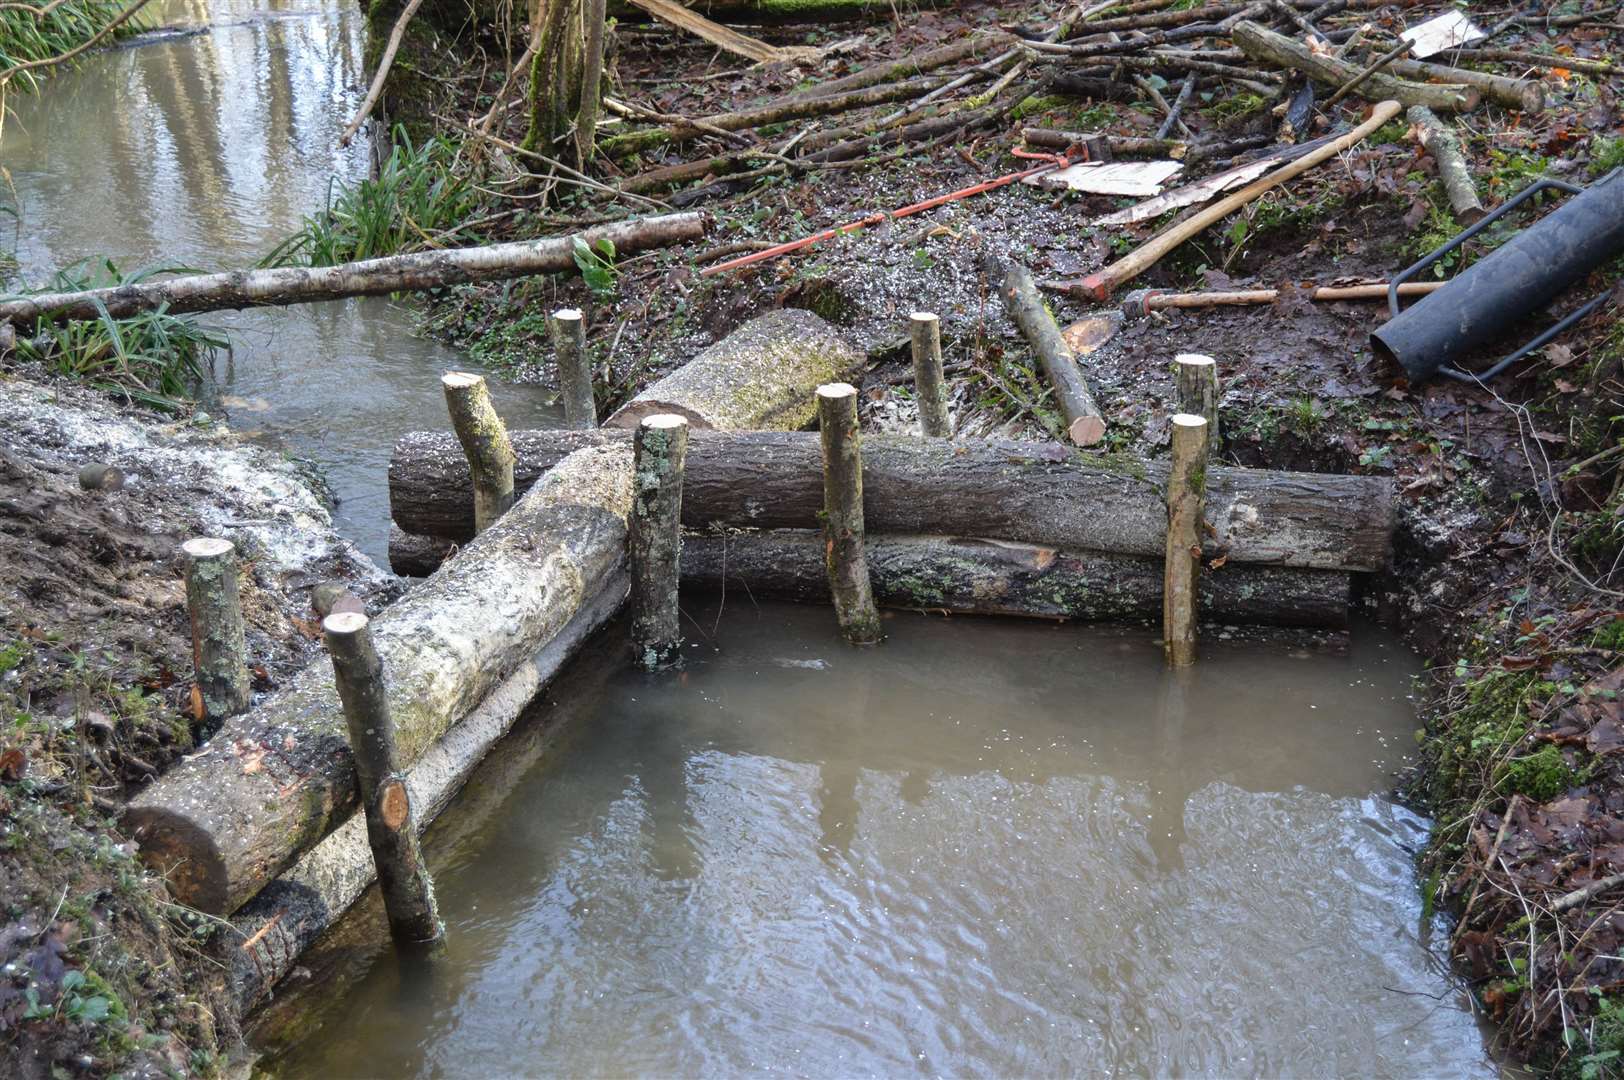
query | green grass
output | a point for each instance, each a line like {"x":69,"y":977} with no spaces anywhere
{"x":26,"y":36}
{"x":417,"y":202}
{"x":153,"y":358}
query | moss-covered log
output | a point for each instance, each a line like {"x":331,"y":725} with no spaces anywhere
{"x":993,"y":577}
{"x":761,"y":376}
{"x":275,"y":780}
{"x":1037,"y":493}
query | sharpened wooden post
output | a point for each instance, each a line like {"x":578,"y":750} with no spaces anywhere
{"x":655,"y":538}
{"x":408,"y":894}
{"x":485,"y":443}
{"x":1196,"y":378}
{"x":930,"y":385}
{"x":219,"y":652}
{"x":574,"y":368}
{"x":1186,"y":490}
{"x":843,"y":515}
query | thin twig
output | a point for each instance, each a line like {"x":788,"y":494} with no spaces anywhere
{"x":376,"y":89}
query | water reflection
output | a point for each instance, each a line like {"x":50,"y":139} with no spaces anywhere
{"x":1006,"y":850}
{"x":205,"y":151}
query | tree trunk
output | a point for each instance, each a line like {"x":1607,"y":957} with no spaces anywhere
{"x":275,"y":780}
{"x":556,"y":80}
{"x":369,"y":277}
{"x":993,"y":577}
{"x":290,"y":913}
{"x":762,"y":375}
{"x":1281,"y":51}
{"x":1036,"y":493}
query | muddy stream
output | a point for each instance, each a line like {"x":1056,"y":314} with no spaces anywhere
{"x":205,"y":150}
{"x":986,"y":847}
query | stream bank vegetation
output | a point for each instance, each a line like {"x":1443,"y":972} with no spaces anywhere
{"x":1509,"y":570}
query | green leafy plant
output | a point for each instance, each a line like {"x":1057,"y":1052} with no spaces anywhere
{"x":154,"y":358}
{"x":597,"y":265}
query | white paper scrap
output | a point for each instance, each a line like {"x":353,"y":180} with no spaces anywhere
{"x":1445,"y":32}
{"x":1135,"y":178}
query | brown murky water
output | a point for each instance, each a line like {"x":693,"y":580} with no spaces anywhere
{"x":984,"y":848}
{"x":205,"y":151}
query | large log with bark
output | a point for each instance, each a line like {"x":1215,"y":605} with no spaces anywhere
{"x":288,"y":915}
{"x":994,"y":577}
{"x":369,"y":277}
{"x":1036,"y":493}
{"x":274,"y":781}
{"x":762,"y":375}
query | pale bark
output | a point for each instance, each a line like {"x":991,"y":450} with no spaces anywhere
{"x":370,"y":277}
{"x":655,"y":540}
{"x":274,"y":781}
{"x":843,"y":527}
{"x":930,"y":385}
{"x":1195,"y":380}
{"x":1186,"y":487}
{"x":762,"y":375}
{"x":219,"y":649}
{"x":1277,"y":49}
{"x":1442,"y":143}
{"x":574,"y":366}
{"x":485,"y":443}
{"x":1084,"y":424}
{"x":1525,"y":95}
{"x":408,"y":894}
{"x":1036,"y":493}
{"x":290,"y":913}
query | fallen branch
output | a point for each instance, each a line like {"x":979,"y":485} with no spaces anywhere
{"x":370,"y":277}
{"x":1084,"y":424}
{"x":1546,"y":61}
{"x":51,"y":61}
{"x":1100,"y":285}
{"x":376,"y":89}
{"x":1526,"y":95}
{"x":910,"y":66}
{"x":1277,"y":49}
{"x":721,"y":36}
{"x":1441,"y":142}
{"x":1145,"y":301}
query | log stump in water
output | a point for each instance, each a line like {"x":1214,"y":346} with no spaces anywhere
{"x":1186,"y":484}
{"x":485,"y":444}
{"x":843,"y":515}
{"x":574,"y":368}
{"x":655,"y":540}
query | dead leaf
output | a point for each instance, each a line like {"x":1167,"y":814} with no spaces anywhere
{"x":197,"y":703}
{"x":13,"y":763}
{"x":1559,"y":356}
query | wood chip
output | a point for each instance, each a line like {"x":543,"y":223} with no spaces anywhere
{"x":1135,"y":178}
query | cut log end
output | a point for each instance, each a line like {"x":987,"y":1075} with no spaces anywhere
{"x":394,"y":805}
{"x":635,"y":413}
{"x":1194,"y":360}
{"x":836,"y":391}
{"x":460,"y":380}
{"x":568,"y":315}
{"x":207,"y":547}
{"x":344,"y":623}
{"x":1086,"y":430}
{"x":925,"y":317}
{"x":184,"y":854}
{"x":663,"y":421}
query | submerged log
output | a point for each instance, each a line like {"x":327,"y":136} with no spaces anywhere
{"x":275,"y":780}
{"x":762,"y":375}
{"x":992,"y":577}
{"x":370,"y":277}
{"x":1037,"y":493}
{"x":289,"y":914}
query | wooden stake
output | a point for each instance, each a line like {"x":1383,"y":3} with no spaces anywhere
{"x":843,"y":515}
{"x":1186,"y":488}
{"x":655,"y":538}
{"x":485,"y":443}
{"x":930,"y":387}
{"x":219,"y":653}
{"x":408,"y":894}
{"x":1196,"y":377}
{"x":574,"y":368}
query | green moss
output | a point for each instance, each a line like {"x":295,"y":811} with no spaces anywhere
{"x":1610,"y":636}
{"x":1606,"y":155}
{"x":1541,"y":776}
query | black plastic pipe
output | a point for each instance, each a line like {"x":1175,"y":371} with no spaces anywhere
{"x":1481,"y":305}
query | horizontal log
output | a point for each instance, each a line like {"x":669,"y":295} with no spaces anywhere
{"x":1270,"y":47}
{"x":993,"y":577}
{"x":369,"y":277}
{"x":289,"y":914}
{"x":274,"y":781}
{"x":1036,"y":493}
{"x":762,"y":375}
